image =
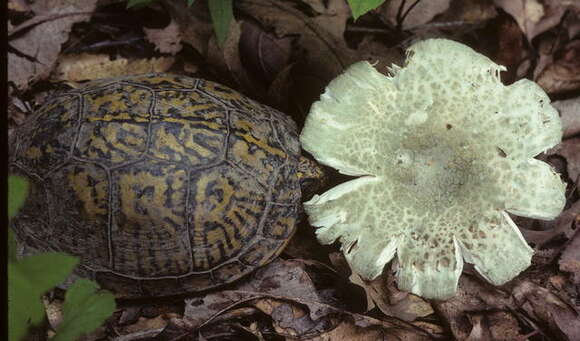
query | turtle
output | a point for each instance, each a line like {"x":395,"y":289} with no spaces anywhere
{"x":162,"y":184}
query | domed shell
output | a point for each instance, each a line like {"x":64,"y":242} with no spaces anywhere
{"x":161,"y":184}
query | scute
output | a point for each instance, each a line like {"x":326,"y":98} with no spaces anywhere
{"x":161,"y":184}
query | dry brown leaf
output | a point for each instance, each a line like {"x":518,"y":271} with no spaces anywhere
{"x":473,"y":296}
{"x":147,"y":325}
{"x":557,"y":316}
{"x":561,"y":227}
{"x":167,"y":39}
{"x":278,"y":279}
{"x":284,"y":291}
{"x":228,"y":61}
{"x":264,"y":54}
{"x":320,"y":56}
{"x":194,"y":24}
{"x":570,"y":150}
{"x":332,"y":15}
{"x":39,"y":43}
{"x":318,"y":45}
{"x":421,"y":13}
{"x":383,"y":293}
{"x":570,"y":259}
{"x":563,"y":75}
{"x":570,"y":113}
{"x":493,"y":326}
{"x":86,"y":66}
{"x":534,"y":16}
{"x":468,"y":11}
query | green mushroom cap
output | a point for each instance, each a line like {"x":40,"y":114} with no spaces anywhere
{"x":442,"y":151}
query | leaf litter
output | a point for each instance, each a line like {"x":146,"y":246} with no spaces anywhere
{"x":283,"y":53}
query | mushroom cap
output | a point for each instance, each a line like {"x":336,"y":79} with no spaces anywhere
{"x":442,"y":151}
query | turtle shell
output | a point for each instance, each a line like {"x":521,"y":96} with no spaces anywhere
{"x":161,"y":184}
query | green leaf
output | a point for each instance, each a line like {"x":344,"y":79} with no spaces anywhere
{"x":222,"y":14}
{"x":85,"y":309}
{"x":17,"y":191}
{"x":28,"y":279}
{"x":11,"y":246}
{"x":190,"y":2}
{"x":360,"y":7}
{"x":138,"y":3}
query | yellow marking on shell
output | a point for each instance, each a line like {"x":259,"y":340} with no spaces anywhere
{"x":129,"y":185}
{"x":282,"y":225}
{"x":122,"y":116}
{"x":214,"y":209}
{"x":96,"y":144}
{"x":160,"y":79}
{"x":224,"y":94}
{"x":89,"y":195}
{"x":264,"y":145}
{"x":135,"y":138}
{"x":132,"y":144}
{"x":165,"y":139}
{"x":211,"y":125}
{"x":137,"y":96}
{"x":114,"y":100}
{"x":241,"y":150}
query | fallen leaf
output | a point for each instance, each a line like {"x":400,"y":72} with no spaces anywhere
{"x":570,"y":259}
{"x":84,"y":66}
{"x":167,"y":39}
{"x":468,"y":11}
{"x":319,"y":54}
{"x":570,"y":113}
{"x":473,"y":296}
{"x":569,"y":149}
{"x":37,"y":43}
{"x":284,"y":291}
{"x":228,"y":61}
{"x":413,"y":13}
{"x":563,"y":75}
{"x":384,"y":294}
{"x":559,"y":318}
{"x":533,"y":16}
{"x":194,"y":23}
{"x":561,"y":227}
{"x":264,"y":54}
{"x":332,"y":15}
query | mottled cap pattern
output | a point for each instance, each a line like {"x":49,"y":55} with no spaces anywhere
{"x":442,"y":152}
{"x":161,"y":184}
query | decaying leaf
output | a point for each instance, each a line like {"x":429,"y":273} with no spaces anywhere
{"x":534,"y":16}
{"x":560,"y":319}
{"x":166,"y":40}
{"x":418,"y":12}
{"x":570,"y":115}
{"x":383,"y":293}
{"x":570,"y":150}
{"x":570,"y":259}
{"x":194,"y":23}
{"x":36,"y":44}
{"x":320,"y":55}
{"x":331,"y":15}
{"x":94,"y":66}
{"x":285,"y":292}
{"x":227,"y":60}
{"x":563,"y":75}
{"x":264,"y":54}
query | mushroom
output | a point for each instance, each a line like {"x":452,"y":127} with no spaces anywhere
{"x":442,"y":151}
